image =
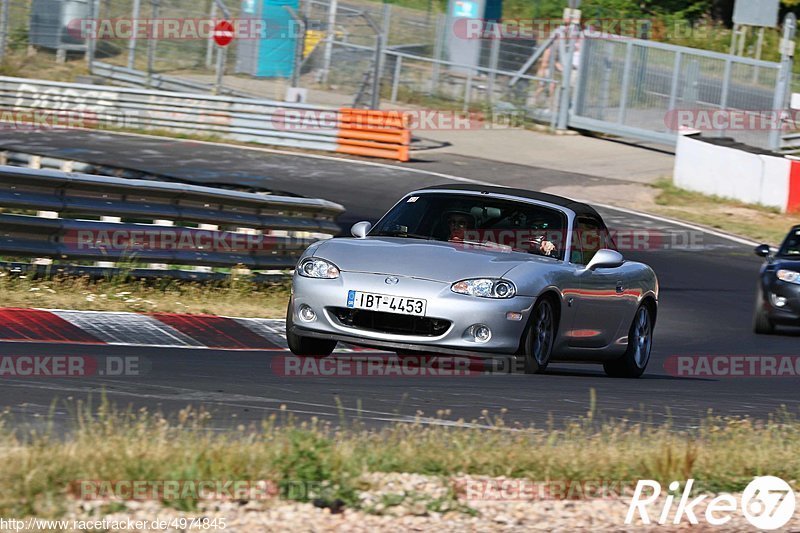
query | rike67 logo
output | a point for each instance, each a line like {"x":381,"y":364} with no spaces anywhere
{"x":767,"y":502}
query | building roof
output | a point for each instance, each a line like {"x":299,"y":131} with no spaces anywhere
{"x":578,"y":207}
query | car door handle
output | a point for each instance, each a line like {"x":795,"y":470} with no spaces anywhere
{"x":620,"y":287}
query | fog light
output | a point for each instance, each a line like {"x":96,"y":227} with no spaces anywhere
{"x":777,"y":301}
{"x":481,"y":333}
{"x":307,"y":314}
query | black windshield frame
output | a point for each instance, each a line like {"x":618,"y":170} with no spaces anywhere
{"x":791,"y":245}
{"x":420,"y":216}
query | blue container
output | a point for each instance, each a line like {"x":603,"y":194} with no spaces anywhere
{"x":277,"y":46}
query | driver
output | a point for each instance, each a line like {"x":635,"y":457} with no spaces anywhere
{"x":458,"y":222}
{"x":543,"y":246}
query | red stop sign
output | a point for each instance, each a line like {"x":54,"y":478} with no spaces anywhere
{"x":223,"y":33}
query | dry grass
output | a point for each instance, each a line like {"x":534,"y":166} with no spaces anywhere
{"x":762,"y":224}
{"x":42,"y":65}
{"x":234,"y":297}
{"x":722,"y":454}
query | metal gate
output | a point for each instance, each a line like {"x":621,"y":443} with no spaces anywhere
{"x":634,"y":88}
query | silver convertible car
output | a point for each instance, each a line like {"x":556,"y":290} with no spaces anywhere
{"x":461,"y":269}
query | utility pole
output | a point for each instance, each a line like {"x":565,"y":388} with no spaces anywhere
{"x":572,"y":33}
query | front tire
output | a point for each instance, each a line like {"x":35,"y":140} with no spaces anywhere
{"x":762,"y":325}
{"x":308,"y":346}
{"x":640,"y":344}
{"x":541,"y":337}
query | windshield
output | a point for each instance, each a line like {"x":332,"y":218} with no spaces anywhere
{"x":791,"y":246}
{"x":475,"y":220}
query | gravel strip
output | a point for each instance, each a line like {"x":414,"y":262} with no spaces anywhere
{"x":394,"y":501}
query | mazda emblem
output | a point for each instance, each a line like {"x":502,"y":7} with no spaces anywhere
{"x":391,"y":280}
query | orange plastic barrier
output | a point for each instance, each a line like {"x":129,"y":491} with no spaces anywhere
{"x":373,"y":133}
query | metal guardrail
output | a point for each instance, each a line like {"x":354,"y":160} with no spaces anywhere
{"x":35,"y":161}
{"x":218,"y":227}
{"x":239,"y":119}
{"x":790,"y":141}
{"x":39,"y":271}
{"x":38,"y":161}
{"x":138,"y":78}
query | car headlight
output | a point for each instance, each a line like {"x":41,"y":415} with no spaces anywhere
{"x":789,"y":276}
{"x":313,"y":267}
{"x":485,"y":288}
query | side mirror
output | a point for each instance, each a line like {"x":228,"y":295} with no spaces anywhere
{"x":762,"y":250}
{"x":360,"y":229}
{"x":605,"y":258}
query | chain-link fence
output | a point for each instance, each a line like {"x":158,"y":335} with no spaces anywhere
{"x":189,"y":52}
{"x":342,"y":48}
{"x":70,"y":28}
{"x":365,"y":53}
{"x":630,"y":86}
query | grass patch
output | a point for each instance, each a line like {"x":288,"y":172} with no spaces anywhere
{"x":233,"y":297}
{"x":42,"y":65}
{"x":721,"y":454}
{"x":760,"y":223}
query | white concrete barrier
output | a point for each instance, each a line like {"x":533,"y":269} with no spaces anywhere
{"x":729,"y":172}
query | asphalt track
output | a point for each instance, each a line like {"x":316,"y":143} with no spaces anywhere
{"x":707,"y":296}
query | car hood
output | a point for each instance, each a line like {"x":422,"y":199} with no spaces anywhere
{"x":431,"y":260}
{"x":784,"y":263}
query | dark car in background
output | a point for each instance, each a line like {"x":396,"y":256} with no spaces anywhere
{"x":778,"y":300}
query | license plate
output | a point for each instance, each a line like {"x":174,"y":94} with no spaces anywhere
{"x":386,"y":303}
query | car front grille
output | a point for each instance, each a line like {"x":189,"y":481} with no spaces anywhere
{"x":390,"y":322}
